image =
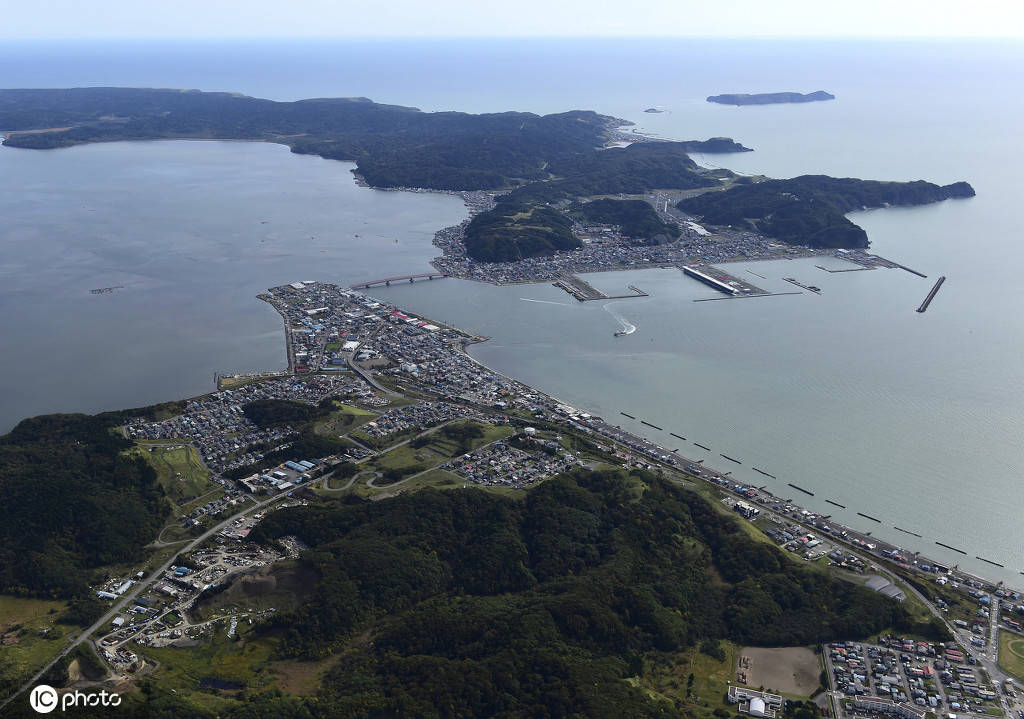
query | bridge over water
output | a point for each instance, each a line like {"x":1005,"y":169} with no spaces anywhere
{"x":388,"y":280}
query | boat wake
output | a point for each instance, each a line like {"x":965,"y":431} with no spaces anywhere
{"x":627,"y":328}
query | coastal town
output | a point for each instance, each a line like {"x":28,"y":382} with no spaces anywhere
{"x":606,"y":248}
{"x":409,"y":393}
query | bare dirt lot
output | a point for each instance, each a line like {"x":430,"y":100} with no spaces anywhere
{"x":789,"y":670}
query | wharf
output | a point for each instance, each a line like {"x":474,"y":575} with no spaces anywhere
{"x":585,"y":292}
{"x":721,"y":280}
{"x":809,"y":288}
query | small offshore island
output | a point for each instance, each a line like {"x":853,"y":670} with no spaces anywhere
{"x":292,"y":544}
{"x":771,"y":98}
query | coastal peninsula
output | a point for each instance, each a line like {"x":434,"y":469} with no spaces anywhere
{"x":770,"y":98}
{"x":536,"y":167}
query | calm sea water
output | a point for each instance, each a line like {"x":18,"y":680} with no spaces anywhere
{"x":914,"y":419}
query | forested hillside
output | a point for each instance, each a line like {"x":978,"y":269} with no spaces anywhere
{"x":810,"y":209}
{"x":71,"y":502}
{"x":635,"y":218}
{"x":464,"y":603}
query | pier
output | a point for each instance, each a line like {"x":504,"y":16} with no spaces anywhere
{"x":721,"y":280}
{"x":931,"y":294}
{"x":388,"y":280}
{"x":851,"y":269}
{"x":809,"y":288}
{"x":586,"y":292}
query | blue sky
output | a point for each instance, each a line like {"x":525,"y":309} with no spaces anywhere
{"x":95,"y":19}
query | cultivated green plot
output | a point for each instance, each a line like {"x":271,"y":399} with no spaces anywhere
{"x":343,"y":419}
{"x":1011,"y":653}
{"x":179,"y":471}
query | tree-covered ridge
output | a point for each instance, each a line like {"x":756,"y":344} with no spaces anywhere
{"x":810,"y":209}
{"x":393,"y":146}
{"x":500,"y":235}
{"x":470,"y":604}
{"x":71,"y":502}
{"x":635,"y":218}
{"x":514,"y":231}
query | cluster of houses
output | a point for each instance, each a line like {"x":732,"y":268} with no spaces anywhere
{"x":900,"y":672}
{"x":218,"y":428}
{"x":502,"y":464}
{"x":420,"y":417}
{"x":604,"y":248}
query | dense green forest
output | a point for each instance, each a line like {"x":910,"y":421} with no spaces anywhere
{"x":635,"y":218}
{"x":271,"y":412}
{"x":72,"y":502}
{"x":513,"y":231}
{"x":810,"y":209}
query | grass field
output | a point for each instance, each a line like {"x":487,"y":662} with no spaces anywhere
{"x":343,"y":420}
{"x":1011,"y":653}
{"x":436,"y":478}
{"x":243,"y":663}
{"x":438,"y":450}
{"x":667,"y":675}
{"x":30,"y":637}
{"x":179,"y":471}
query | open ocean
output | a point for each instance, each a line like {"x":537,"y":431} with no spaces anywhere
{"x":914,"y":419}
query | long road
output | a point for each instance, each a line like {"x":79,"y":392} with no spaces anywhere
{"x":130,"y":595}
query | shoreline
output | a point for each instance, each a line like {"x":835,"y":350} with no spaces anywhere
{"x":658,"y":451}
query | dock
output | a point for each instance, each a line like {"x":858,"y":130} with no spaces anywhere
{"x":849,"y":269}
{"x":809,"y":288}
{"x":931,"y":294}
{"x":719,"y":279}
{"x":586,"y":292}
